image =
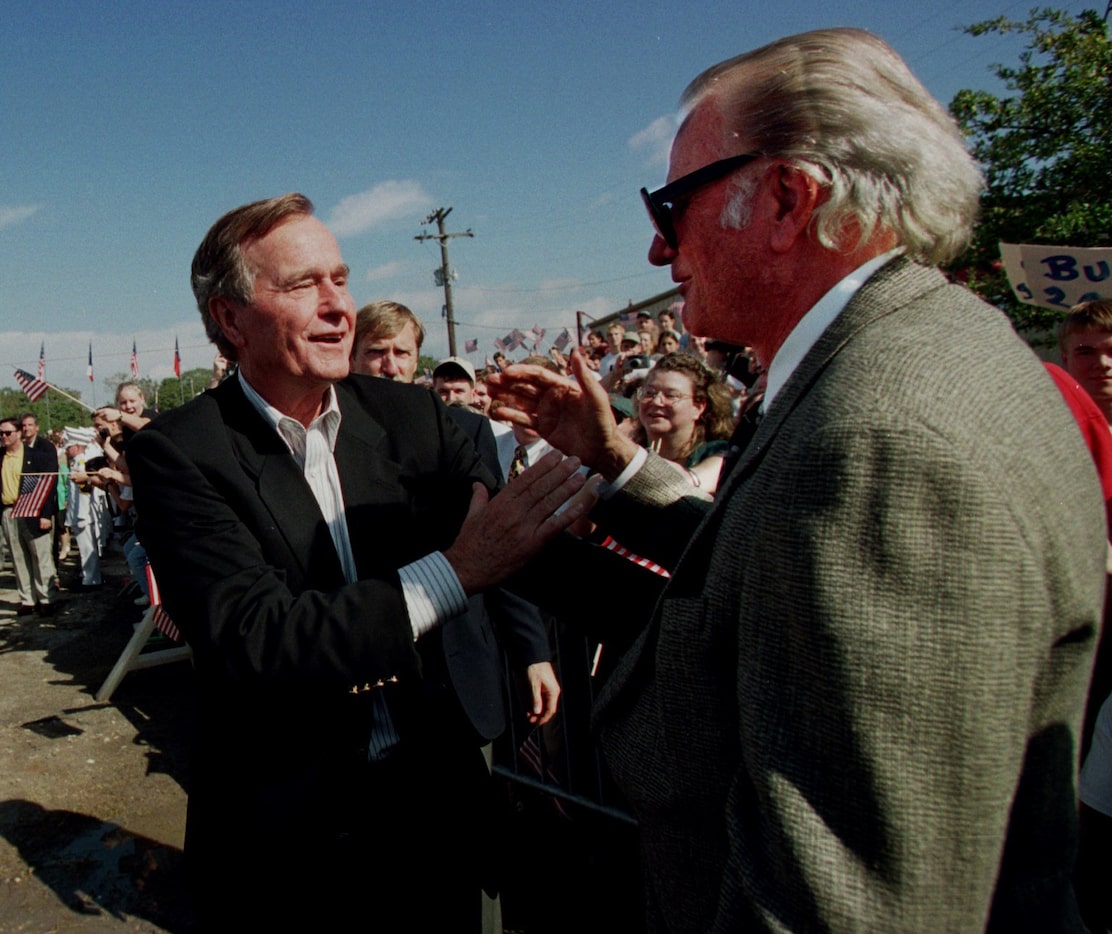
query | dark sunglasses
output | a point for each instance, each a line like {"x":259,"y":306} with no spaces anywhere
{"x":14,"y":431}
{"x":659,"y":203}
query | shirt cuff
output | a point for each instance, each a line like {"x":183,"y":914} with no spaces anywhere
{"x":638,"y":461}
{"x":432,"y":592}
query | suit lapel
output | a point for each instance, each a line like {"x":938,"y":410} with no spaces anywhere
{"x":281,"y":486}
{"x":892,"y":287}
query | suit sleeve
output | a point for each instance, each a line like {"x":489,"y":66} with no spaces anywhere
{"x":655,"y":513}
{"x":520,"y":627}
{"x":235,"y":607}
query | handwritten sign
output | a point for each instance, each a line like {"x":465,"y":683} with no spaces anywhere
{"x":1057,"y":276}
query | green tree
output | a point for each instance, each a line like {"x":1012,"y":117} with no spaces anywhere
{"x":53,"y":410}
{"x":1045,"y":149}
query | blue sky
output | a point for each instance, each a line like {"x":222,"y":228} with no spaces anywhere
{"x":126,"y":128}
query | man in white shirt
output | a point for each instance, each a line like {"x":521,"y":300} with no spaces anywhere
{"x":312,"y":533}
{"x":856,"y":704}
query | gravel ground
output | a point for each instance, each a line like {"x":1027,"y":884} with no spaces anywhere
{"x":92,"y":799}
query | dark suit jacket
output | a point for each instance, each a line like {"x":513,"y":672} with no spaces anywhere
{"x":41,"y":459}
{"x":518,"y":623}
{"x":286,"y":654}
{"x":857,"y":704}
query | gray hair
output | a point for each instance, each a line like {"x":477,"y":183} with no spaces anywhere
{"x":843,"y":107}
{"x":219,"y":267}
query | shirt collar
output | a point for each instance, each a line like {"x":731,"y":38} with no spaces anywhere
{"x":812,"y":325}
{"x":290,"y":429}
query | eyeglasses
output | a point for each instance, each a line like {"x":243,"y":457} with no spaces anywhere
{"x":14,"y":431}
{"x":671,"y":396}
{"x":659,"y":203}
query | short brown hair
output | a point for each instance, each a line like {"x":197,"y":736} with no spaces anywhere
{"x":385,"y":319}
{"x":1095,"y":315}
{"x":219,"y":267}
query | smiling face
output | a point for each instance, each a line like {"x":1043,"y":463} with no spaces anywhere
{"x":130,"y":400}
{"x":293,"y":338}
{"x":667,"y":407}
{"x":480,"y":396}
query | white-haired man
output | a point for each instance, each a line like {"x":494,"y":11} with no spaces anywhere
{"x":856,"y":705}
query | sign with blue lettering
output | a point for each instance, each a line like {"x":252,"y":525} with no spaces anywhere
{"x":1057,"y":276}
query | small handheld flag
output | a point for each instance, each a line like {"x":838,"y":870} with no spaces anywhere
{"x":33,"y":492}
{"x":30,"y":385}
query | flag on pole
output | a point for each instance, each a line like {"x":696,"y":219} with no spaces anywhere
{"x":472,"y":345}
{"x":134,"y":361}
{"x":159,"y":616}
{"x":89,"y":370}
{"x":30,"y":385}
{"x":33,"y":492}
{"x":563,"y":340}
{"x":177,"y":360}
{"x":42,"y":360}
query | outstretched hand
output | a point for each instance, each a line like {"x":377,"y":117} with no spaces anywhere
{"x":500,"y":535}
{"x":573,"y":417}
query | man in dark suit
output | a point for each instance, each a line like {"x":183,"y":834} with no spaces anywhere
{"x":29,"y":423}
{"x":388,"y":341}
{"x":856,"y":705}
{"x":311,"y":533}
{"x":28,"y":537}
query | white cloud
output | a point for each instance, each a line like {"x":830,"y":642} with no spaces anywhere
{"x":10,"y":216}
{"x":385,"y":271}
{"x":387,"y":201}
{"x":656,"y":139}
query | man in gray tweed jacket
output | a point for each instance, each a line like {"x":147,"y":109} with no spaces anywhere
{"x":856,"y":705}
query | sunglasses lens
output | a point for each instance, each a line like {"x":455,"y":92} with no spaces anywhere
{"x":661,"y":217}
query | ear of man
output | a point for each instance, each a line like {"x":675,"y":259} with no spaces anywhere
{"x":225,"y":313}
{"x":796,"y":197}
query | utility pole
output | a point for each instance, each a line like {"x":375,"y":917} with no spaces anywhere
{"x":443,"y":276}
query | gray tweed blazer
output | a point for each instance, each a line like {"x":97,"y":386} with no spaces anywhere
{"x":856,"y":705}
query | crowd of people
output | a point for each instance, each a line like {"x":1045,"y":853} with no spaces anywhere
{"x":83,"y":498}
{"x":846,"y":549}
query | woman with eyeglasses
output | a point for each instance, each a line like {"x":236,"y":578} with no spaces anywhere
{"x":685,"y":415}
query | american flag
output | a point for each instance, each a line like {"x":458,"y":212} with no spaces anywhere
{"x":160,"y":617}
{"x":30,"y":385}
{"x":42,"y":359}
{"x":518,"y":339}
{"x":177,"y":360}
{"x":33,"y":492}
{"x":134,"y":362}
{"x":472,"y":345}
{"x":562,"y":340}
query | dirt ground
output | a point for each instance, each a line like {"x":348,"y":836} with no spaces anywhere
{"x":92,"y":795}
